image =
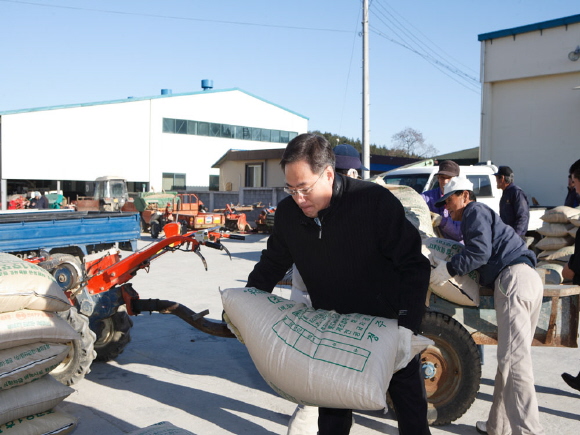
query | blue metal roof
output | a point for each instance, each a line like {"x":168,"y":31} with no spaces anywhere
{"x":131,"y":99}
{"x":530,"y":28}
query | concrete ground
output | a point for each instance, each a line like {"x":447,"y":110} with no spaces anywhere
{"x":208,"y":385}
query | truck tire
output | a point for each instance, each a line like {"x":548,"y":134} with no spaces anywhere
{"x":78,"y":362}
{"x":113,"y":335}
{"x":68,"y":274}
{"x":452,"y":368}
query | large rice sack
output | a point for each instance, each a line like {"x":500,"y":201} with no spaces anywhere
{"x":549,"y":229}
{"x":26,"y":285}
{"x":32,"y":398}
{"x":318,"y":357}
{"x":562,"y":254}
{"x":416,"y":209}
{"x":462,"y":290}
{"x":554,"y":243}
{"x":560,"y":214}
{"x":23,"y":364}
{"x":43,"y":423}
{"x":30,"y":326}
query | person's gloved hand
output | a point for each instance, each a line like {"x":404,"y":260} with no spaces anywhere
{"x":439,"y":275}
{"x":233,"y":328}
{"x":435,"y":219}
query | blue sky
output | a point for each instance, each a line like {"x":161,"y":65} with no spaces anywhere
{"x":304,"y":55}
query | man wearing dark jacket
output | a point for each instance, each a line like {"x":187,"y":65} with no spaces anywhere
{"x":514,"y":209}
{"x":504,"y":263}
{"x":571,"y":271}
{"x":357,"y":253}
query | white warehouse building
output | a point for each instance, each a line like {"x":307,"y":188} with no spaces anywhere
{"x":531,"y":104}
{"x":165,"y":142}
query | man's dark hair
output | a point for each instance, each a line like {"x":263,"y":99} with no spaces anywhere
{"x":575,"y":169}
{"x":313,"y":149}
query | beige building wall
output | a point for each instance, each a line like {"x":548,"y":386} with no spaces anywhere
{"x":530,"y":109}
{"x":232,"y":174}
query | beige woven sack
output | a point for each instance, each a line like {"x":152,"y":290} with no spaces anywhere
{"x":318,"y":357}
{"x":554,"y":230}
{"x":23,"y":364}
{"x":26,"y":285}
{"x":30,"y":326}
{"x":43,"y":423}
{"x":416,"y":209}
{"x":462,"y":290}
{"x":560,"y":214}
{"x":554,"y":243}
{"x":32,"y":398}
{"x":562,"y":254}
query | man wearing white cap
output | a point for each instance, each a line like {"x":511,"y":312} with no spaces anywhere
{"x":504,"y":263}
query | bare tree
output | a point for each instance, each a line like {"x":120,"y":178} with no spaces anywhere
{"x":411,"y":143}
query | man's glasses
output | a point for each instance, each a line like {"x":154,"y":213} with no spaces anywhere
{"x":303,"y":192}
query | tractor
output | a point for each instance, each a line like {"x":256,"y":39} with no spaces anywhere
{"x":102,"y":298}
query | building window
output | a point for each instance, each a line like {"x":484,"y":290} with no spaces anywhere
{"x":227,"y":131}
{"x":265,"y":136}
{"x":203,"y":128}
{"x":191,"y":127}
{"x":214,"y":130}
{"x":284,"y":136}
{"x":172,"y":181}
{"x":199,"y":128}
{"x":168,"y":125}
{"x":180,"y":126}
{"x":254,"y":175}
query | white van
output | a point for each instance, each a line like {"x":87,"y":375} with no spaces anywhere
{"x":422,"y":178}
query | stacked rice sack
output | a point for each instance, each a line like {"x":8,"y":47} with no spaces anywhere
{"x":32,"y":343}
{"x":559,"y":229}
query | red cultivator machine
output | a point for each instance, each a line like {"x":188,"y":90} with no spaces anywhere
{"x":102,"y":298}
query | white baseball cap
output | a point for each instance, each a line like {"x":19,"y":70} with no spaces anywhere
{"x":456,"y":184}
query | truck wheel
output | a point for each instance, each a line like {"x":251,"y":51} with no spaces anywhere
{"x":113,"y":336}
{"x":77,"y":363}
{"x":68,"y":274}
{"x":155,"y":229}
{"x":452,"y":368}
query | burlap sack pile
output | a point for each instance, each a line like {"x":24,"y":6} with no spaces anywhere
{"x":557,"y":244}
{"x":32,"y":343}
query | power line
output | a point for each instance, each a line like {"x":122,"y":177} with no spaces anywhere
{"x":412,"y":43}
{"x":172,"y":17}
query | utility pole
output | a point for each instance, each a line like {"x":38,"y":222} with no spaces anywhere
{"x":366,"y":147}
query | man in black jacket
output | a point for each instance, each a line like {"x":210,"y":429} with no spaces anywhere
{"x":571,"y":271}
{"x":514,"y":209}
{"x":357,"y":253}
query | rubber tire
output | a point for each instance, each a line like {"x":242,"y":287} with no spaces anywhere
{"x":113,"y":336}
{"x":452,"y":390}
{"x":69,"y":274}
{"x":78,"y":362}
{"x":155,"y":229}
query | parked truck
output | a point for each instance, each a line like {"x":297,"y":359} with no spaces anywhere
{"x":29,"y":233}
{"x":422,"y":178}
